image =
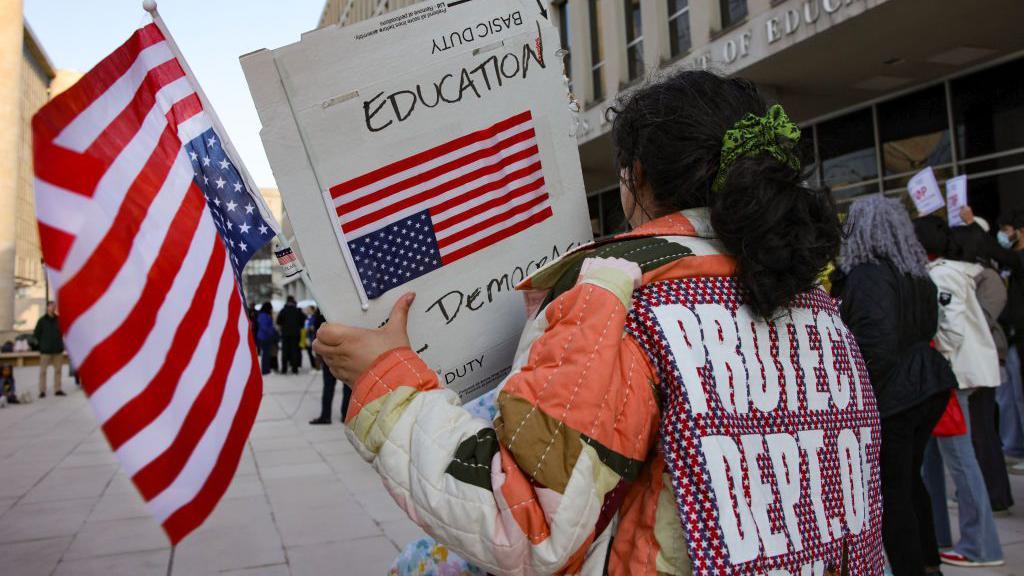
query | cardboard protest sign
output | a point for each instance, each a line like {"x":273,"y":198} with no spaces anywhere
{"x":924,"y":191}
{"x":956,"y":198}
{"x":427,"y":150}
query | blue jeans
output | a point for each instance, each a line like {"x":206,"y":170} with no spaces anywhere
{"x":979,"y":539}
{"x":267,"y":359}
{"x":1010,"y":397}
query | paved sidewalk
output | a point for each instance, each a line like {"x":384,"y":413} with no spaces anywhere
{"x":302,"y":502}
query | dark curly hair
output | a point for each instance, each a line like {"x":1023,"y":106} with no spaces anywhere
{"x":668,"y":136}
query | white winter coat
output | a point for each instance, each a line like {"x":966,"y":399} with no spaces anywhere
{"x":963,"y":336}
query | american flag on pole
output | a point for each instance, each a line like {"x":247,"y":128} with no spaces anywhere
{"x":146,"y":223}
{"x":435,"y":207}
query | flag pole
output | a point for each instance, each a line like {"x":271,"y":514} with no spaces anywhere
{"x":282,"y":240}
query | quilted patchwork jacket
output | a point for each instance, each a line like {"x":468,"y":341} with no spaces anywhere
{"x":568,"y":479}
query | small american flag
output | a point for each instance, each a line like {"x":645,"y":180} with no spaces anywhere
{"x":420,"y":213}
{"x":146,"y":224}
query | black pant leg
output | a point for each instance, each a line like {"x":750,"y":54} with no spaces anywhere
{"x":345,"y":396}
{"x":928,"y":415}
{"x":988,"y":447}
{"x":290,"y":357}
{"x":266,"y":357}
{"x":294,"y":356}
{"x":899,"y":518}
{"x":908,"y":530}
{"x":328,"y":395}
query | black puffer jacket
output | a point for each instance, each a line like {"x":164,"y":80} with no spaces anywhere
{"x":291,"y":320}
{"x":894,"y":316}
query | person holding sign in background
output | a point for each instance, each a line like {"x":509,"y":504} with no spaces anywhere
{"x":685,"y":401}
{"x":891,"y":305}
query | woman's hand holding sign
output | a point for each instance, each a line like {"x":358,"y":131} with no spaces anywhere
{"x":349,"y":352}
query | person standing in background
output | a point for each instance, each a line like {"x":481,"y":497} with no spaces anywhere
{"x":969,"y":244}
{"x":1010,"y":395}
{"x":290,"y":320}
{"x":891,"y":306}
{"x":8,"y":389}
{"x":963,"y":337}
{"x":253,"y":314}
{"x":266,"y":337}
{"x":308,"y":334}
{"x":330,"y":382}
{"x":51,"y":349}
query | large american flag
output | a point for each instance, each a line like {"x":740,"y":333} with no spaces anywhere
{"x":430,"y":209}
{"x":146,"y":224}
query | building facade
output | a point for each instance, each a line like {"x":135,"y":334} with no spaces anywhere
{"x":28,"y":75}
{"x":881,"y":88}
{"x":262,"y":279}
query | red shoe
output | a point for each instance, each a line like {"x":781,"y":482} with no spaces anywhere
{"x":957,"y":559}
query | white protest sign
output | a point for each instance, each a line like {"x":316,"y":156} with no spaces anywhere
{"x":956,"y":198}
{"x":924,"y":191}
{"x":427,"y":150}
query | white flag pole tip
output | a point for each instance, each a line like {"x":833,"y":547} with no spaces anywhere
{"x":149,"y":6}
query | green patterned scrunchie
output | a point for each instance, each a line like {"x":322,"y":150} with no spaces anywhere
{"x":773,"y":133}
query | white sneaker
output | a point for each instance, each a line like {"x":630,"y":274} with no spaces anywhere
{"x":957,"y":559}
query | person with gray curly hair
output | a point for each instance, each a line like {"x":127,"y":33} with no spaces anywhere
{"x":891,"y":306}
{"x":878,"y":228}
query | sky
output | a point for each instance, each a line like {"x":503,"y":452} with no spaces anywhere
{"x":212,"y":34}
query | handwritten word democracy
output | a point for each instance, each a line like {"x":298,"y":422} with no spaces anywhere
{"x":477,"y":81}
{"x":474,"y":298}
{"x":749,"y":364}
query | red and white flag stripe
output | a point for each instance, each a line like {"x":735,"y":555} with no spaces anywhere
{"x":149,"y":307}
{"x":478,"y":188}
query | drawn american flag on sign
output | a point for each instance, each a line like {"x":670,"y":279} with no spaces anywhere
{"x":145,"y":224}
{"x":435,"y":207}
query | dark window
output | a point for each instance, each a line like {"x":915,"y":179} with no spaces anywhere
{"x":594,"y":206}
{"x":988,"y":109}
{"x":565,"y":34}
{"x":914,"y":132}
{"x":606,"y":215}
{"x":613,"y":219}
{"x":634,"y":39}
{"x":846,"y":146}
{"x":679,"y":26}
{"x":596,"y":52}
{"x":733,"y":11}
{"x":807,"y":161}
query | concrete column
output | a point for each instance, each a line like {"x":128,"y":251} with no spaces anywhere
{"x":654,"y":14}
{"x":704,"y":18}
{"x":579,"y":49}
{"x":755,"y":7}
{"x":613,"y":24}
{"x":11,"y":39}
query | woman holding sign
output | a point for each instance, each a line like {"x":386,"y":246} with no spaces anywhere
{"x":687,"y":401}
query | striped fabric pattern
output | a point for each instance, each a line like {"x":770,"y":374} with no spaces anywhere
{"x":443,"y":204}
{"x":145,"y":278}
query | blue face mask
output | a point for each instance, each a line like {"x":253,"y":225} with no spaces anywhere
{"x":1004,"y":240}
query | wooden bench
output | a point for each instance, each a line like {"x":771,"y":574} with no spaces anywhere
{"x":30,"y":358}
